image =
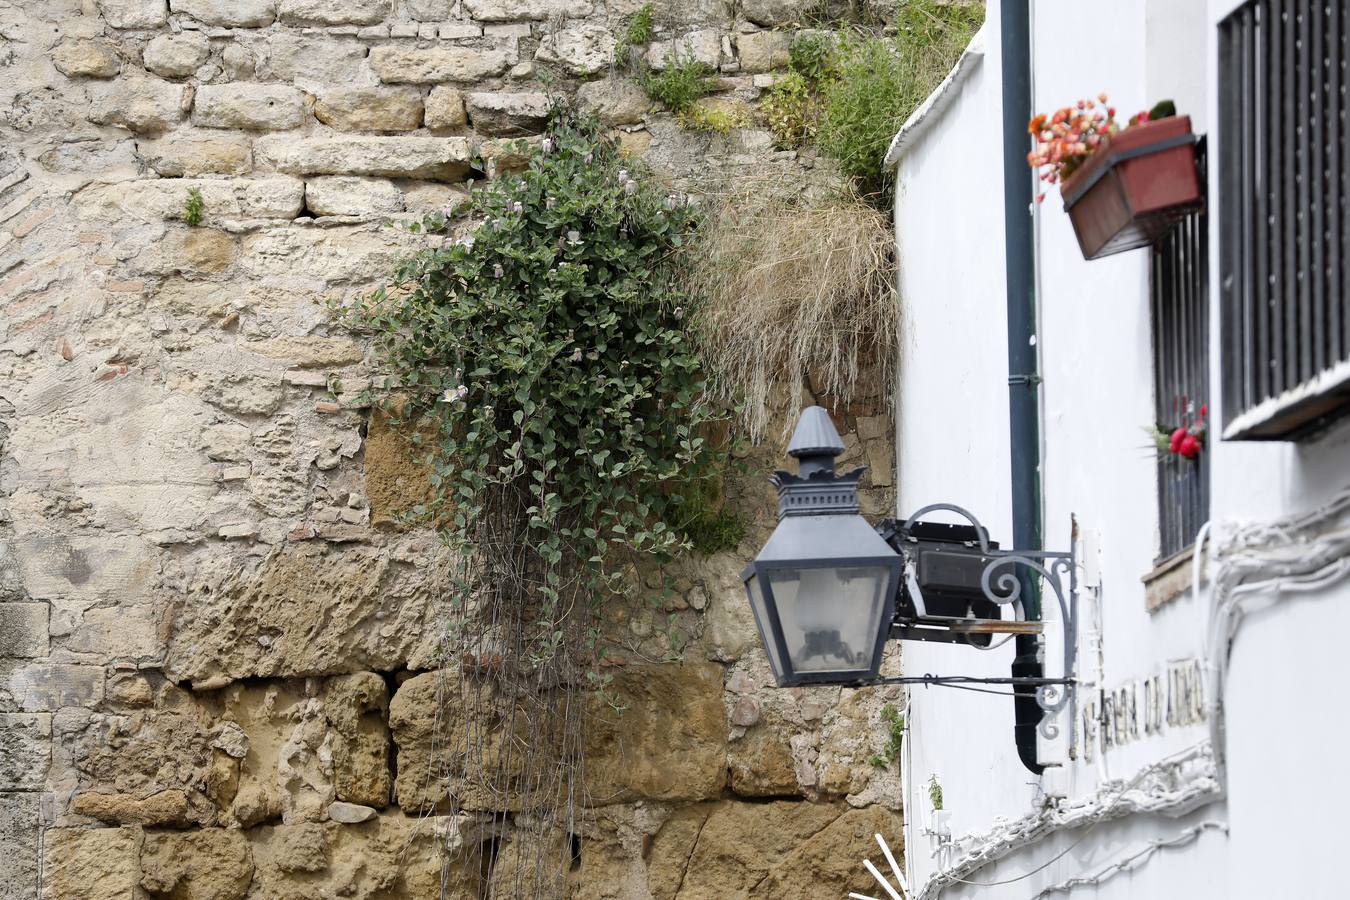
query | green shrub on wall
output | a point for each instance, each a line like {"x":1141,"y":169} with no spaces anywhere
{"x":550,"y":345}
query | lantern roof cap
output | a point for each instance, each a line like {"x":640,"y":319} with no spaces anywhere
{"x":815,"y":435}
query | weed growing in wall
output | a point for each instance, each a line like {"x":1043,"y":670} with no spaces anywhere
{"x":637,"y":31}
{"x":682,"y":82}
{"x":193,"y":207}
{"x":895,"y":736}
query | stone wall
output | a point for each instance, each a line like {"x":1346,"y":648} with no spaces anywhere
{"x":216,"y":643}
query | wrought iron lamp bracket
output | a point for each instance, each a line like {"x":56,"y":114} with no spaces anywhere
{"x":1003,"y":580}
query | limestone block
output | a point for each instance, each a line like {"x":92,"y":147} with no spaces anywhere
{"x":429,"y":10}
{"x":309,"y":351}
{"x":777,"y":849}
{"x":209,"y":864}
{"x":445,"y":108}
{"x":670,"y":741}
{"x":226,"y":441}
{"x":443,"y":159}
{"x":507,"y":114}
{"x":256,"y":107}
{"x":46,"y":687}
{"x":827,"y":864}
{"x":370,"y":108}
{"x":25,"y":750}
{"x":84,"y":567}
{"x":223,"y":200}
{"x":397,"y":475}
{"x":239,"y":62}
{"x":583,"y":48}
{"x":148,"y":766}
{"x":176,"y":55}
{"x":880,"y":468}
{"x":425,"y":197}
{"x":168,"y":807}
{"x":350,"y":813}
{"x":313,"y":608}
{"x":452,"y":739}
{"x":333,"y":12}
{"x":346,"y":195}
{"x":287,"y":56}
{"x":703,"y":46}
{"x":138,"y":104}
{"x":19,"y":824}
{"x":762,"y":51}
{"x":188,"y":152}
{"x":23,"y":630}
{"x":356,"y":707}
{"x":86,"y":59}
{"x":761,"y":762}
{"x":615,"y":101}
{"x":387,"y":856}
{"x":429,"y":65}
{"x":526,"y":10}
{"x":730,"y":630}
{"x":324,"y":254}
{"x":228,"y":13}
{"x":130,"y":689}
{"x":190,"y":251}
{"x":771,"y":13}
{"x":90,"y":863}
{"x":134,"y":13}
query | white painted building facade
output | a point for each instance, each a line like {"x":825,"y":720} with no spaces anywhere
{"x":1205,"y":756}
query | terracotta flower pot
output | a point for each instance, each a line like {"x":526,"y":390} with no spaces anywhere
{"x":1131,"y":192}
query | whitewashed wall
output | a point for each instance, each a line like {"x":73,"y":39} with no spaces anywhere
{"x":1284,"y":788}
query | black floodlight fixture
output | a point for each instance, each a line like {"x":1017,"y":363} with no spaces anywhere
{"x":823,"y":588}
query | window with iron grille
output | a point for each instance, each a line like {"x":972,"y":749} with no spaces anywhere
{"x":1284,"y":238}
{"x":1179,"y":297}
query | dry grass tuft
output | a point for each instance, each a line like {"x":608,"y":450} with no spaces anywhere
{"x":791,"y":286}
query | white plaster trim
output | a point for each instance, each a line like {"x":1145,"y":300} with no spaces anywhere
{"x":1301,"y":552}
{"x":1173,"y":786}
{"x":1324,"y":382}
{"x":942,"y":97}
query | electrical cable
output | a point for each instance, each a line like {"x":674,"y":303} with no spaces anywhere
{"x":1127,"y":864}
{"x":1082,"y":837}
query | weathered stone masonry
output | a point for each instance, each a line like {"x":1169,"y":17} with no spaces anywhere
{"x":216,"y":644}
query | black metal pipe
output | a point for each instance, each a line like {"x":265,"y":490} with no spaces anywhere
{"x":1023,"y":366}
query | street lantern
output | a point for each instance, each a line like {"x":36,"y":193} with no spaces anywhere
{"x":823,"y":588}
{"x":828,"y":590}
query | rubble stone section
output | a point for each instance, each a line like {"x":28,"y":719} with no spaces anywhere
{"x":219,"y":663}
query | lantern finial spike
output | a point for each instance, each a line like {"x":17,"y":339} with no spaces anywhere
{"x":815,"y":443}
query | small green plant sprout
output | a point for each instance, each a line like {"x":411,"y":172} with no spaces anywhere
{"x":935,"y":793}
{"x":811,"y":56}
{"x":682,"y":82}
{"x":193,"y":208}
{"x":791,"y":109}
{"x":712,"y":119}
{"x":895,"y":735}
{"x":637,"y":31}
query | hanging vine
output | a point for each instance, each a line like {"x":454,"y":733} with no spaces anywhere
{"x":546,"y":349}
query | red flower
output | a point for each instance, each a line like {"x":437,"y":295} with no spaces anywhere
{"x":1174,"y":442}
{"x":1189,"y":447}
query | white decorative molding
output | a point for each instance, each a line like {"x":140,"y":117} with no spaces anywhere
{"x":942,"y":97}
{"x":1173,"y":786}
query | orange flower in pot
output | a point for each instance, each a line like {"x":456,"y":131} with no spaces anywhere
{"x":1123,"y":188}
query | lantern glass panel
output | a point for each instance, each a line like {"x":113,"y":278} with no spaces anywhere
{"x":755,"y":589}
{"x":831,"y":615}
